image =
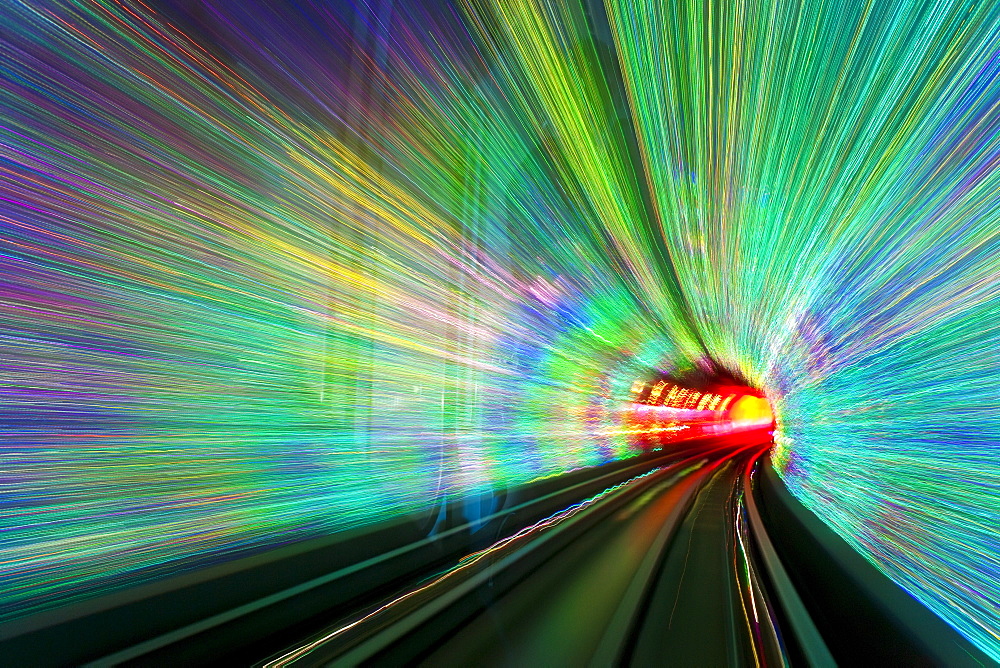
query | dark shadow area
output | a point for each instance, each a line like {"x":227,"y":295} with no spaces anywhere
{"x":864,"y":617}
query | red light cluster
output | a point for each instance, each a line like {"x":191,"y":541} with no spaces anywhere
{"x":663,"y":412}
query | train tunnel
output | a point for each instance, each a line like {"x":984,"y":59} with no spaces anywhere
{"x":499,"y":332}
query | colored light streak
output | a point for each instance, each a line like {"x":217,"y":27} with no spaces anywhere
{"x":504,"y":545}
{"x":273,"y":271}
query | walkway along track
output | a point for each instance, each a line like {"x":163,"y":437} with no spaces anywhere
{"x":661,"y":570}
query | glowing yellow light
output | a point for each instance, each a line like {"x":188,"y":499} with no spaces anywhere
{"x":751,"y":410}
{"x":657,"y":391}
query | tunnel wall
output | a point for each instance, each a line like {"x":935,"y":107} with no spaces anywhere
{"x":827,"y":177}
{"x":274,"y":273}
{"x":270,"y":275}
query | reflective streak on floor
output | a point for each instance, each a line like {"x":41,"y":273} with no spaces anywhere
{"x":695,"y":614}
{"x":654,"y":585}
